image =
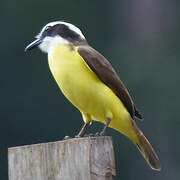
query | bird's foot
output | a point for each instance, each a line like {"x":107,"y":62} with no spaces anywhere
{"x":95,"y":135}
{"x":85,"y":135}
{"x":92,"y":135}
{"x":67,"y":137}
{"x":78,"y":136}
{"x":89,"y":135}
{"x":100,"y":133}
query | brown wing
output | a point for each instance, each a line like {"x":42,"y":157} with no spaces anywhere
{"x":103,"y":69}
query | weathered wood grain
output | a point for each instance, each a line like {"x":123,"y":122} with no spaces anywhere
{"x":89,"y":158}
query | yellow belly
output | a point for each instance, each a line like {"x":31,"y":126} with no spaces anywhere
{"x":85,"y":90}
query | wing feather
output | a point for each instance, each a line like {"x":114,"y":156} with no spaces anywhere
{"x":104,"y":70}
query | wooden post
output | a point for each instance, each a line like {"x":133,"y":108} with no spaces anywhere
{"x":88,"y":158}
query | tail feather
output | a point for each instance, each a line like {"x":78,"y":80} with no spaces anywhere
{"x":146,"y":149}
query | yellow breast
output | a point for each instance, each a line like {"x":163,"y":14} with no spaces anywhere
{"x":84,"y":89}
{"x":72,"y":75}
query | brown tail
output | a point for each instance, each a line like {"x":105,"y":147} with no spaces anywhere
{"x":146,"y":149}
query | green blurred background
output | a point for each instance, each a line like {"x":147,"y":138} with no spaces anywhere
{"x":140,"y":38}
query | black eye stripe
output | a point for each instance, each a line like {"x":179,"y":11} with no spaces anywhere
{"x":68,"y":33}
{"x":61,"y":30}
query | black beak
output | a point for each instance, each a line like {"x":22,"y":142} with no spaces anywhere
{"x":33,"y":45}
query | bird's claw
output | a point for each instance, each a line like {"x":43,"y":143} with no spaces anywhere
{"x":67,"y":137}
{"x":78,"y":136}
{"x":94,"y":135}
{"x":89,"y":135}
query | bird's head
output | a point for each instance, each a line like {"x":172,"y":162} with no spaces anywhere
{"x":57,"y":32}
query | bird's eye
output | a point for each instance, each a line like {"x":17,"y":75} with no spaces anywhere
{"x":47,"y":28}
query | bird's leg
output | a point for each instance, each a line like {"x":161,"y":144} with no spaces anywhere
{"x":87,"y":119}
{"x":102,"y":133}
{"x":81,"y":132}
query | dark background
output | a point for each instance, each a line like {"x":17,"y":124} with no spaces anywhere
{"x":140,"y":38}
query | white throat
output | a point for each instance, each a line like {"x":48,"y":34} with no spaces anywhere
{"x":49,"y":43}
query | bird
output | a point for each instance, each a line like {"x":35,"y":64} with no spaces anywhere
{"x":90,"y":83}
